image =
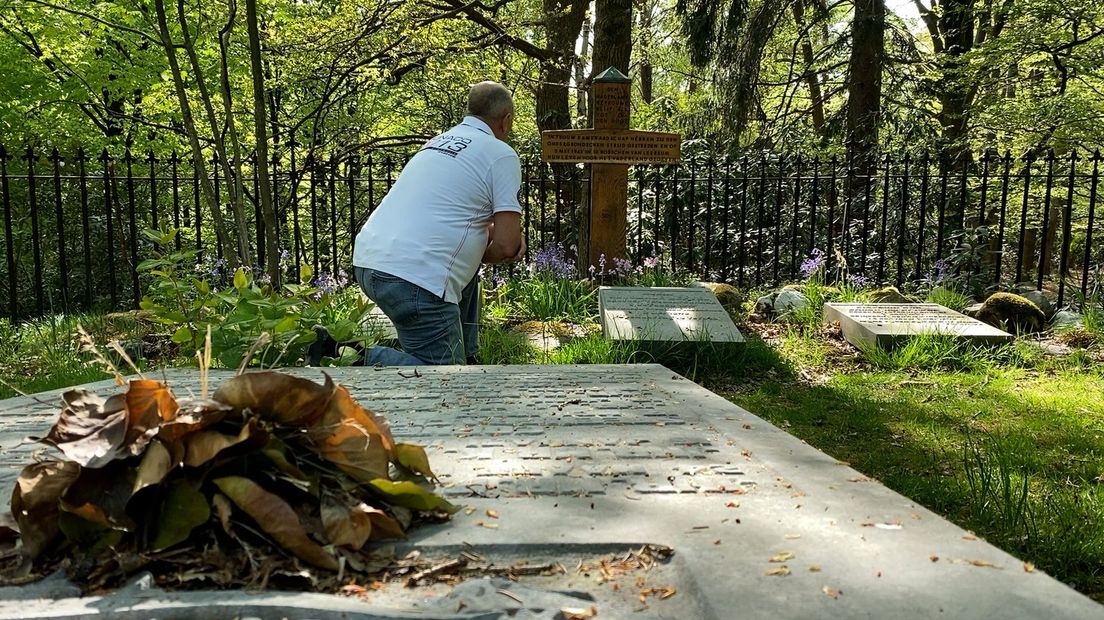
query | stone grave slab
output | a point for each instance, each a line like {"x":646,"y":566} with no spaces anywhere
{"x":886,"y":325}
{"x":578,"y":463}
{"x":380,"y":326}
{"x":665,"y":314}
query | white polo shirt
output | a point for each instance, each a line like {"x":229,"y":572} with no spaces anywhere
{"x":431,"y":228}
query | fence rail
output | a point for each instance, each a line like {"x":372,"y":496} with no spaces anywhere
{"x":72,"y":223}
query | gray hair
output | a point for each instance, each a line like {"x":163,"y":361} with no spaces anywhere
{"x":489,"y":100}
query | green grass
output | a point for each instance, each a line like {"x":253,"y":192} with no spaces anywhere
{"x":44,"y":354}
{"x":1002,"y":441}
{"x":948,"y":298}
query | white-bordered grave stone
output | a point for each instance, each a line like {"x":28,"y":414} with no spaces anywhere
{"x":665,"y":314}
{"x":885,"y":325}
{"x":570,"y":465}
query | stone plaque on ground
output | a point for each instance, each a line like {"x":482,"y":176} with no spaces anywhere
{"x":573,"y":465}
{"x":885,"y":325}
{"x":665,"y":314}
{"x":379,"y":326}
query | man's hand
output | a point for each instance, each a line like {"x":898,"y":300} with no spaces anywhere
{"x":506,"y":243}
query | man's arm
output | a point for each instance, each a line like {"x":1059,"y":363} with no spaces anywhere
{"x":506,"y":243}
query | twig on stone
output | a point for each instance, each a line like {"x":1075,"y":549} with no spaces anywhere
{"x":433,"y":571}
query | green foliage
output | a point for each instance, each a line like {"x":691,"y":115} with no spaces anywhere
{"x":276,"y":327}
{"x":948,"y":298}
{"x":499,"y":345}
{"x":997,"y":489}
{"x":547,"y":297}
{"x":937,"y":351}
{"x":1092,"y":315}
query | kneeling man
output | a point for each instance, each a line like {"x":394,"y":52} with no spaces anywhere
{"x":454,"y":206}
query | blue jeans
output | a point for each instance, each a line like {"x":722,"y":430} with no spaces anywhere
{"x":431,"y":330}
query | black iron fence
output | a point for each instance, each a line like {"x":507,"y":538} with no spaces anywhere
{"x":72,"y":222}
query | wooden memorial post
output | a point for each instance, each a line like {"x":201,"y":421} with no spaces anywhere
{"x":609,"y":147}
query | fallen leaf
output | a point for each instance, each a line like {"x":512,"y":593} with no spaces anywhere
{"x":982,"y":563}
{"x":832,"y":592}
{"x":492,"y":514}
{"x":413,"y":457}
{"x":101,"y":495}
{"x":277,"y":397}
{"x":383,"y":526}
{"x":792,"y":536}
{"x":156,"y":464}
{"x":345,"y":525}
{"x":732,"y":504}
{"x":814,"y":568}
{"x":202,"y":446}
{"x":222,"y":510}
{"x":276,"y":518}
{"x":183,"y":509}
{"x":191,"y":416}
{"x":969,"y":536}
{"x":149,"y":403}
{"x":1028,"y":567}
{"x":34,"y":503}
{"x":90,"y":430}
{"x":934,"y":558}
{"x":780,"y":571}
{"x":782,"y":557}
{"x":348,"y":437}
{"x":410,"y":495}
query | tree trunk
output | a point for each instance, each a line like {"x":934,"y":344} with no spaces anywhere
{"x":956,"y":24}
{"x":580,"y":70}
{"x":235,"y":187}
{"x":612,"y":36}
{"x":812,"y":80}
{"x":864,"y":98}
{"x":562,"y":19}
{"x":264,"y":187}
{"x":645,"y":71}
{"x":206,"y":187}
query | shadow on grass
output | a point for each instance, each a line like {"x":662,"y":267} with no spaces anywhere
{"x":913,"y":435}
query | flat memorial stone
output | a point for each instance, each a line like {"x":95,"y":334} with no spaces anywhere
{"x":380,"y":326}
{"x":885,"y":325}
{"x":570,"y":464}
{"x":665,"y":314}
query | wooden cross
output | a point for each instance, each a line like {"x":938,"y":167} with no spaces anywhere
{"x":609,"y":148}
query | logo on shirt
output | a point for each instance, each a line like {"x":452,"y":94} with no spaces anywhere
{"x":448,"y":145}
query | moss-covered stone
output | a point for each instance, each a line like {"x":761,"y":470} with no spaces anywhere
{"x":1012,"y":313}
{"x":888,"y":295}
{"x":731,"y":298}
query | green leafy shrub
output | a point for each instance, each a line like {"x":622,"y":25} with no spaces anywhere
{"x":251,"y":317}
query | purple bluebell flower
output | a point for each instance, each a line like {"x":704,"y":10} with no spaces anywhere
{"x":552,"y":260}
{"x":811,"y":265}
{"x":936,"y":276}
{"x":651,"y":262}
{"x":325,"y":284}
{"x":858,"y":280}
{"x":621,"y":267}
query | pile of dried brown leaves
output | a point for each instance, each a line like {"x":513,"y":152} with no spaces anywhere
{"x":274,"y":475}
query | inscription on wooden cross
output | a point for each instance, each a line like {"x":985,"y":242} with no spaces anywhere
{"x":609,"y":148}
